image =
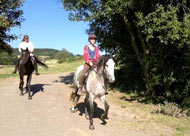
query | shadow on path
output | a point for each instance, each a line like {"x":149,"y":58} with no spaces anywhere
{"x":97,"y":111}
{"x":68,"y":79}
{"x":37,"y":88}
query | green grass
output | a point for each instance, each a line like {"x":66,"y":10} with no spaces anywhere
{"x":53,"y":67}
{"x":6,"y":71}
{"x":178,"y":126}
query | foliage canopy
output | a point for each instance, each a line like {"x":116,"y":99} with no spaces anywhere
{"x":151,"y":38}
{"x":10,"y":16}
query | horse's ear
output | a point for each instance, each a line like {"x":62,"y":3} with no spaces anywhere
{"x":106,"y":58}
{"x":115,"y":57}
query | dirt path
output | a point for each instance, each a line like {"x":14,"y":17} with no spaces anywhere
{"x":47,"y":114}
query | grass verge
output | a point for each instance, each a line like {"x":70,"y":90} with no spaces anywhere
{"x":53,"y":67}
{"x":145,"y":119}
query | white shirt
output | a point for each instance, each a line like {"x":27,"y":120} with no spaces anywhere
{"x":24,"y":45}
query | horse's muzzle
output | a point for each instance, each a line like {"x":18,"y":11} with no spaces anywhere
{"x":112,"y":80}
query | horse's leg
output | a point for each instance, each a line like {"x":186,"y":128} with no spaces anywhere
{"x":91,"y":111}
{"x":74,"y":98}
{"x":21,"y":84}
{"x":29,"y":77}
{"x":106,"y":107}
{"x":86,"y":106}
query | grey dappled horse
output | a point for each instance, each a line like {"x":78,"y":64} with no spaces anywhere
{"x":94,"y":86}
{"x":26,"y":67}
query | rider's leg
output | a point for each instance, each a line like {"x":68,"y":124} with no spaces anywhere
{"x":16,"y":67}
{"x":35,"y":64}
{"x":86,"y":68}
{"x":36,"y":69}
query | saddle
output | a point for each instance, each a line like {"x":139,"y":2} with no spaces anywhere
{"x":85,"y":76}
{"x":33,"y":59}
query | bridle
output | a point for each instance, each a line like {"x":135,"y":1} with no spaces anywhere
{"x":26,"y":54}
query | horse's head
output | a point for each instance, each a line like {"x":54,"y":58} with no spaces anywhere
{"x":25,"y":55}
{"x":108,"y":67}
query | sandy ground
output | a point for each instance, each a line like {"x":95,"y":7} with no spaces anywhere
{"x":48,"y":114}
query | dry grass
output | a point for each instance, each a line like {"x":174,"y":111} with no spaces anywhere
{"x":145,"y":120}
{"x":54,"y":67}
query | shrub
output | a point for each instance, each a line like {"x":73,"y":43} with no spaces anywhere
{"x":7,"y":59}
{"x":170,"y":109}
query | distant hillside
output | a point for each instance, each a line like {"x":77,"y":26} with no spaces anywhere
{"x":42,"y":52}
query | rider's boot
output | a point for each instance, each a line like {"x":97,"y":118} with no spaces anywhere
{"x":35,"y":65}
{"x":37,"y":73}
{"x":16,"y":67}
{"x":36,"y":68}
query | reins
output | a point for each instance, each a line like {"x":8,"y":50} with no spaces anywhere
{"x":25,"y":60}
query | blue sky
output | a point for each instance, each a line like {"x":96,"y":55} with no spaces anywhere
{"x":48,"y":26}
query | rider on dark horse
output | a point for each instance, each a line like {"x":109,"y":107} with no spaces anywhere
{"x":91,"y":57}
{"x":23,"y":46}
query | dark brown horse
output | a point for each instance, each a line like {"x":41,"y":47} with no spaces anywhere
{"x":26,"y":67}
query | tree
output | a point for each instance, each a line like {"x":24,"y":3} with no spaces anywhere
{"x":152,"y":40}
{"x":64,"y":56}
{"x":10,"y":16}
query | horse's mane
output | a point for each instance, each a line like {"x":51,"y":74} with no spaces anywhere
{"x":103,"y":60}
{"x":26,"y":58}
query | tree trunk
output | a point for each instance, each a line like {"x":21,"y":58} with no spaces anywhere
{"x":142,"y":59}
{"x":133,"y":42}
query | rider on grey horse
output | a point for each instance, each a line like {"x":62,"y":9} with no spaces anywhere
{"x":23,"y":46}
{"x":91,"y":57}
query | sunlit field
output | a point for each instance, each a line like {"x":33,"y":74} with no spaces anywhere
{"x":53,"y":67}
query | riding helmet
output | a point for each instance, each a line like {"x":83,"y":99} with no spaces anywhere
{"x":91,"y":36}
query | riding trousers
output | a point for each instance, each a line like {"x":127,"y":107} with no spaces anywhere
{"x":86,"y":68}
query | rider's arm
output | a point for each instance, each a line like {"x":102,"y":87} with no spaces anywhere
{"x":31,"y":47}
{"x":97,"y":54}
{"x":86,"y":55}
{"x":19,"y":48}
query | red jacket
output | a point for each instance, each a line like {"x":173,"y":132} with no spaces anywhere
{"x":86,"y":55}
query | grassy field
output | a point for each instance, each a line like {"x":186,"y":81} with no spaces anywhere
{"x":53,"y":67}
{"x":146,"y":118}
{"x":143,"y":112}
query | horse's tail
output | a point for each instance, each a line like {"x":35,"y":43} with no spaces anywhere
{"x":41,"y":63}
{"x":75,"y":89}
{"x":73,"y":95}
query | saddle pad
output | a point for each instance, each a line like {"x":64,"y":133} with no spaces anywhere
{"x":78,"y":76}
{"x":85,"y":76}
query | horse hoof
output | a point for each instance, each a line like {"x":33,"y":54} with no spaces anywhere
{"x":21,"y":94}
{"x":30,"y":98}
{"x":91,"y":127}
{"x":73,"y":110}
{"x":104,"y":116}
{"x":87,"y":117}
